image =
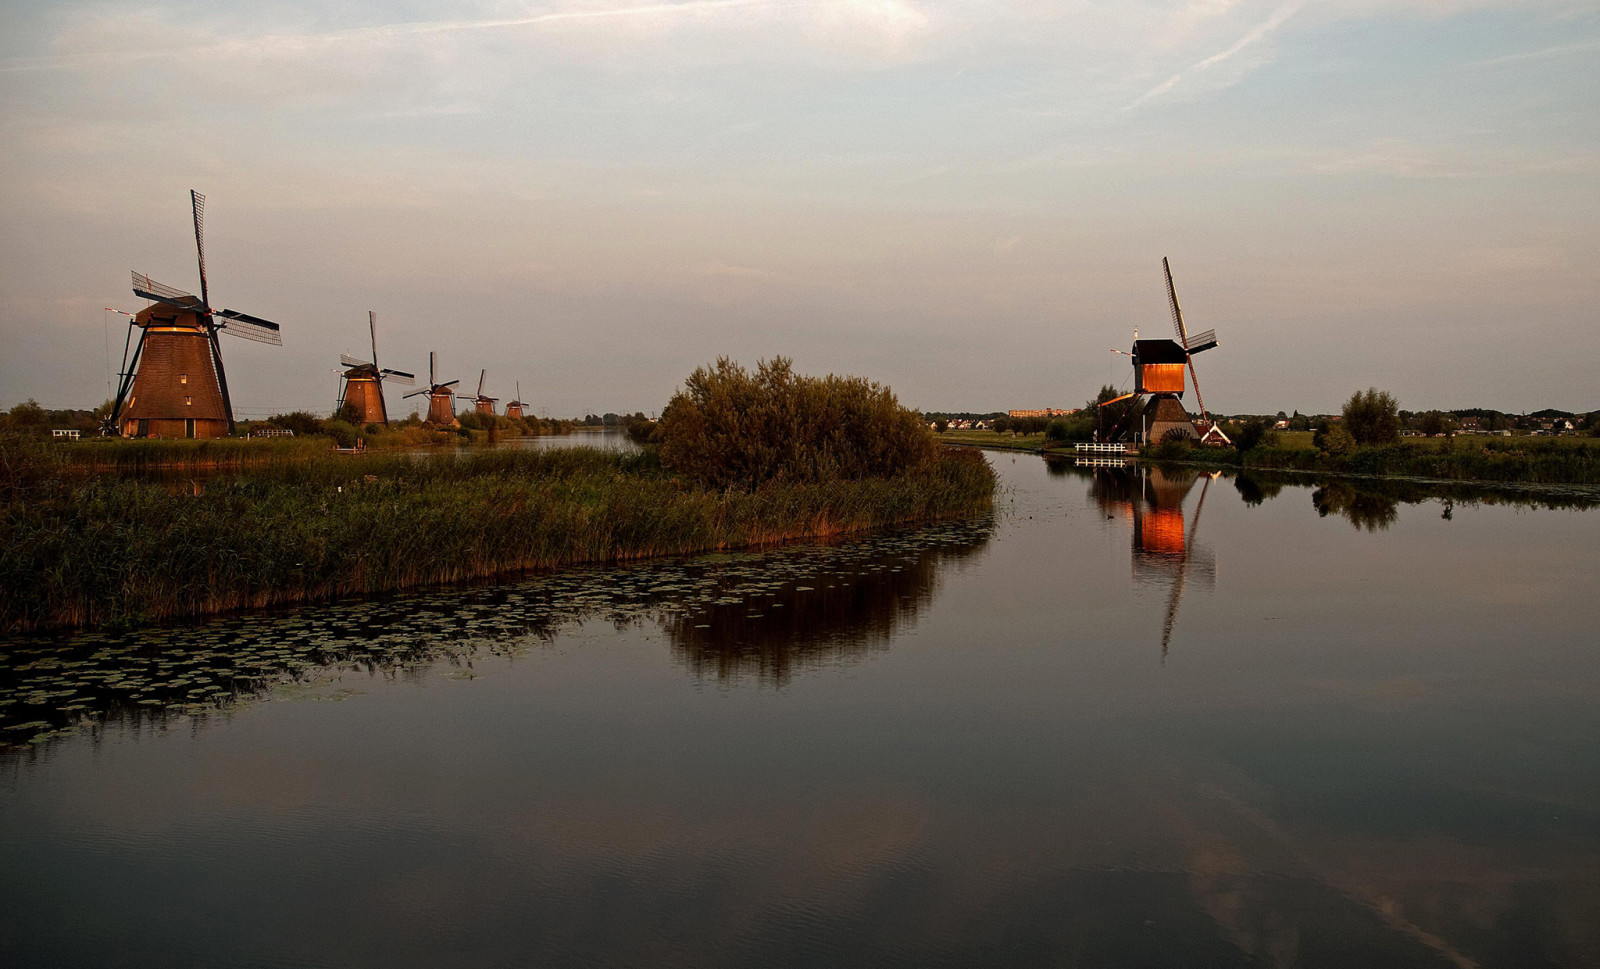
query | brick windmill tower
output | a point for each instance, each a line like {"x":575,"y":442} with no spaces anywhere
{"x":362,"y":382}
{"x":441,"y":399}
{"x":514,"y":407}
{"x":482,"y":404}
{"x":174,"y":384}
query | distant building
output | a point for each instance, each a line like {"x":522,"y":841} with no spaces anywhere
{"x":1047,"y":412}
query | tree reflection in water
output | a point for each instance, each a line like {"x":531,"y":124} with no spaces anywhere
{"x":771,"y":612}
{"x":856,"y":602}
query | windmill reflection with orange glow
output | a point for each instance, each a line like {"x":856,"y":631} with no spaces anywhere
{"x":1164,"y":549}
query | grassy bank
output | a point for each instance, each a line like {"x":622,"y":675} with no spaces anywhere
{"x":1520,"y":460}
{"x":994,"y":440}
{"x":92,"y":550}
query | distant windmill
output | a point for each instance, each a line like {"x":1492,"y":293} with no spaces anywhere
{"x":514,"y":407}
{"x":362,"y":382}
{"x":174,"y":384}
{"x":441,"y":399}
{"x":1158,"y":371}
{"x":484,"y":405}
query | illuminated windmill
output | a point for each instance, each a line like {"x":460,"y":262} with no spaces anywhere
{"x":441,"y":399}
{"x":514,"y":407}
{"x":483,"y":405}
{"x":174,"y":384}
{"x":1158,"y":373}
{"x":361,"y":383}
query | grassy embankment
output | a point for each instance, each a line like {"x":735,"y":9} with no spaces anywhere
{"x":90,"y":550}
{"x":994,"y":440}
{"x":1521,"y":460}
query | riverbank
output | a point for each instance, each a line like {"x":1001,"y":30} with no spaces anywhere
{"x":113,"y":550}
{"x":1524,"y":460}
{"x":1497,"y":460}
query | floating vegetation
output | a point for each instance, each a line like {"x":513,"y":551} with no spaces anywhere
{"x":768,"y":615}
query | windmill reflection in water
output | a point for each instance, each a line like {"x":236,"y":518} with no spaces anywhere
{"x":1164,"y":549}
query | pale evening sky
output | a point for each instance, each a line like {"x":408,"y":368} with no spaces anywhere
{"x":966,"y":200}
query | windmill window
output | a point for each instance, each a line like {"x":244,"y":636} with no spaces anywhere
{"x":188,"y":401}
{"x":183,"y":378}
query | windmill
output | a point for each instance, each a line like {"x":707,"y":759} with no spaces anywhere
{"x":514,"y":407}
{"x":1158,"y":372}
{"x":441,"y":399}
{"x":174,"y":384}
{"x":361,"y":383}
{"x":483,"y":405}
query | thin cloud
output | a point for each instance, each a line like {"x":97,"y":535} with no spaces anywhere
{"x":1538,"y":55}
{"x":1253,"y":36}
{"x":420,"y":28}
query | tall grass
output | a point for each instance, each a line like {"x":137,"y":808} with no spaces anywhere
{"x":110,"y":549}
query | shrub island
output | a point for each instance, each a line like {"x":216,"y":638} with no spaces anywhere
{"x":739,"y":459}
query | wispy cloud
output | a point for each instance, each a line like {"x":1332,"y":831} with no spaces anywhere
{"x":1253,"y":36}
{"x":302,"y":42}
{"x":1539,"y":55}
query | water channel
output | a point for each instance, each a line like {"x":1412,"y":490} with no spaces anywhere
{"x":1145,"y":717}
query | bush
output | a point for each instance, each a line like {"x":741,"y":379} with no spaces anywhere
{"x":301,"y":422}
{"x":343,"y":432}
{"x":1250,"y":434}
{"x":730,"y":428}
{"x":1372,"y":417}
{"x":1174,"y":446}
{"x":1333,"y":439}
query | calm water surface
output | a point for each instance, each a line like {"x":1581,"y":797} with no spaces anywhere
{"x":1146,"y":719}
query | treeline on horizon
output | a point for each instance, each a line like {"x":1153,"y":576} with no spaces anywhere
{"x":1488,"y":419}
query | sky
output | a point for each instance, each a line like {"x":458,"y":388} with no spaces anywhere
{"x":967,"y":200}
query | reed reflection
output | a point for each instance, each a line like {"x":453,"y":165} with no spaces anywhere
{"x":772,"y":613}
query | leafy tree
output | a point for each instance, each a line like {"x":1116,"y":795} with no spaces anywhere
{"x":349,"y":413}
{"x":26,"y":414}
{"x":732,"y":428}
{"x":1250,"y":434}
{"x":1334,"y":439}
{"x":941,"y":426}
{"x":1431,"y":423}
{"x":1371,"y":417}
{"x":300,"y":422}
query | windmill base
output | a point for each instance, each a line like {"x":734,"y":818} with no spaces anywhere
{"x":1164,"y":415}
{"x":174,"y":427}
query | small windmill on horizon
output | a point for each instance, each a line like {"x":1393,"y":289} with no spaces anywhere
{"x":361,"y":382}
{"x":514,"y":407}
{"x":482,"y":404}
{"x":441,"y":399}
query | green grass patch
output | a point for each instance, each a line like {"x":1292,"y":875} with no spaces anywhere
{"x":117,"y":549}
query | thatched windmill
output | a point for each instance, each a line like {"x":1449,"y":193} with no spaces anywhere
{"x":514,"y":407}
{"x":362,"y":382}
{"x":174,"y":384}
{"x":441,"y":399}
{"x":482,"y":404}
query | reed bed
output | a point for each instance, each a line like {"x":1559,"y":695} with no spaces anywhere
{"x":117,"y":550}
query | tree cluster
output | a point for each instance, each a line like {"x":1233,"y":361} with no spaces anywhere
{"x":731,"y":428}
